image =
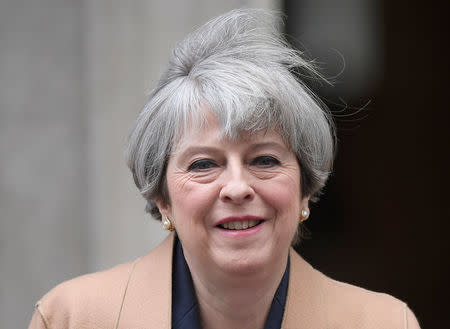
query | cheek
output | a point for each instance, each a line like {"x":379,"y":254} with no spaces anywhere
{"x":284,"y":195}
{"x":189,"y":200}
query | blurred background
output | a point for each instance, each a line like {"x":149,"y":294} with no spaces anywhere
{"x":74,"y":74}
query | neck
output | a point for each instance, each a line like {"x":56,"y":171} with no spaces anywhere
{"x":234,"y":300}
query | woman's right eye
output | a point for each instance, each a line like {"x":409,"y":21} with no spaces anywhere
{"x":202,"y":164}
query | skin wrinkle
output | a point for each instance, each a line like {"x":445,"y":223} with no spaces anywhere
{"x":260,"y":307}
{"x":215,"y":67}
{"x":256,"y":175}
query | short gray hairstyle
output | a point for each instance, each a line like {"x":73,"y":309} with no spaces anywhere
{"x":240,"y":67}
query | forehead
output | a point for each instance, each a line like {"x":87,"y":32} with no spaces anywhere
{"x":208,"y":130}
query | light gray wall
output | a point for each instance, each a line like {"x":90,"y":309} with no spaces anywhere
{"x":73,"y":76}
{"x":43,"y":211}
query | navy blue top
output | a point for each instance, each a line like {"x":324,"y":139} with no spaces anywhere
{"x":185,"y":310}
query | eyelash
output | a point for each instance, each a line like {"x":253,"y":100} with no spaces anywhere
{"x":262,"y":161}
{"x":199,"y":165}
{"x":259,"y":161}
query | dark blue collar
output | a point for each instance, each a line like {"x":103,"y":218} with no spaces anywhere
{"x":185,"y":310}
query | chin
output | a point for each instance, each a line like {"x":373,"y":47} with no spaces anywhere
{"x":245,"y":262}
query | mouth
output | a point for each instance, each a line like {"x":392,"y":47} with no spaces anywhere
{"x":239,"y":224}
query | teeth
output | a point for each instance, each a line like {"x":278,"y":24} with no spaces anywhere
{"x":239,"y":225}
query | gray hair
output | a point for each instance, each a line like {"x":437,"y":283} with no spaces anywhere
{"x":240,"y":67}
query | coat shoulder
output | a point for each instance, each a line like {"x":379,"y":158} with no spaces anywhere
{"x":97,"y":300}
{"x":86,"y":301}
{"x":355,"y":307}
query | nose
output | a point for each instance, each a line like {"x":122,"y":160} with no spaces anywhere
{"x":236,"y":188}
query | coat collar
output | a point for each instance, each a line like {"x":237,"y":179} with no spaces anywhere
{"x":147,"y":301}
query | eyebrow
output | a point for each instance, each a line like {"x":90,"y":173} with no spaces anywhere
{"x":262,"y":145}
{"x":215,"y":150}
{"x":197,"y":149}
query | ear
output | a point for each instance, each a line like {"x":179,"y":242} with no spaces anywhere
{"x":304,"y":203}
{"x":164,"y":208}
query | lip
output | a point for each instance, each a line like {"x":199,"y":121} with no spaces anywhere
{"x":240,"y":233}
{"x":238,"y":219}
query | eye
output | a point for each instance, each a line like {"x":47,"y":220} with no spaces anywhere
{"x":265,"y":161}
{"x":202,"y":164}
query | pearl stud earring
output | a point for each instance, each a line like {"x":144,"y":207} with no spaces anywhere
{"x":304,"y":215}
{"x":167,"y":224}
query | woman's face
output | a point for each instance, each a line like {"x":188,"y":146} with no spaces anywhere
{"x":235,"y":205}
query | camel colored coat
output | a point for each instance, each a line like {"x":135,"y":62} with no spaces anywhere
{"x":137,"y":295}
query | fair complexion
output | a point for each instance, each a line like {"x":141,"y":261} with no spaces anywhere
{"x":215,"y":185}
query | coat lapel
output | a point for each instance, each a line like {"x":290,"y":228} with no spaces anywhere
{"x":148,"y":299}
{"x":305,"y":299}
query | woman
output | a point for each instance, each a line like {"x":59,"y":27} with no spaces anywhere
{"x":228,"y":152}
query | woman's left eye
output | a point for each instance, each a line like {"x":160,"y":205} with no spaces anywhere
{"x":265,"y":161}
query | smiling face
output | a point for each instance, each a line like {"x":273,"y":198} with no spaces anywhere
{"x":235,"y":205}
